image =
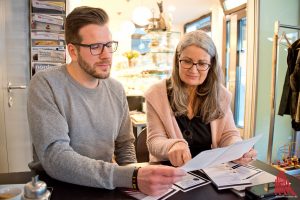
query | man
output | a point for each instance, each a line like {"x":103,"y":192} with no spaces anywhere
{"x":79,"y":117}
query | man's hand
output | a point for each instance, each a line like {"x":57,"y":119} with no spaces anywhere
{"x":179,"y":154}
{"x":157,"y":179}
{"x":247,"y":157}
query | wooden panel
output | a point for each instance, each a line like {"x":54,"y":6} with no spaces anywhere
{"x":3,"y":150}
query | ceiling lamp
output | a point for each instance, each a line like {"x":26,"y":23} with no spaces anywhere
{"x":141,"y":15}
{"x":127,"y":27}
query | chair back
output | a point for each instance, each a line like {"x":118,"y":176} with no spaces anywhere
{"x":142,"y":153}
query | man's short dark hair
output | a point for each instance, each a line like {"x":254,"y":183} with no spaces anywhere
{"x":82,"y":16}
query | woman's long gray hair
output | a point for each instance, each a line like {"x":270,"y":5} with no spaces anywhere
{"x":206,"y":102}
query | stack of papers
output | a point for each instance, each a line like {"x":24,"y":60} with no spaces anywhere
{"x":51,"y":5}
{"x":189,"y":182}
{"x":261,"y":178}
{"x":49,"y":19}
{"x":229,"y":175}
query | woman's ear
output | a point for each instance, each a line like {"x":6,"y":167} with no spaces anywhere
{"x":73,"y":52}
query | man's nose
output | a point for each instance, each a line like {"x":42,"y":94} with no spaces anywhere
{"x":105,"y":53}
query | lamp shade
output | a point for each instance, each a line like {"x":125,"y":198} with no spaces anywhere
{"x":141,"y":15}
{"x":127,"y":27}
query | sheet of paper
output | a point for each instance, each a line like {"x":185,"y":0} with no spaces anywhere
{"x":169,"y":193}
{"x":261,"y":178}
{"x":191,"y":181}
{"x":244,"y":171}
{"x":224,"y":176}
{"x":141,"y":196}
{"x":220,"y":155}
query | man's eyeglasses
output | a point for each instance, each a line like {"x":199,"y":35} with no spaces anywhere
{"x":188,"y":64}
{"x":97,"y":48}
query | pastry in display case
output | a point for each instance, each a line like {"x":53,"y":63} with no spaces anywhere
{"x":153,"y":64}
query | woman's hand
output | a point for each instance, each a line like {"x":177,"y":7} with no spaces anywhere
{"x":247,"y":157}
{"x":179,"y":154}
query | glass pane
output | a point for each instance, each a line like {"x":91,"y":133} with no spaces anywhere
{"x":230,"y":4}
{"x":240,"y":74}
{"x":227,"y":54}
{"x":203,"y":23}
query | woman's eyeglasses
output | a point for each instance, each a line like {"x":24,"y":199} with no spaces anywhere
{"x":188,"y":64}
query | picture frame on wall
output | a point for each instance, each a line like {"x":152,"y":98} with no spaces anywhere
{"x":201,"y":23}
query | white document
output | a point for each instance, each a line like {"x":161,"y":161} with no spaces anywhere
{"x":261,"y":178}
{"x":229,"y":175}
{"x":190,"y":182}
{"x":164,"y":196}
{"x":220,"y":155}
{"x":141,"y":196}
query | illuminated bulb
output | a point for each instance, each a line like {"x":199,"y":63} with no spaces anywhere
{"x":141,"y":46}
{"x":128,"y":27}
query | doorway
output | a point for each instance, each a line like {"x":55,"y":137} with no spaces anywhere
{"x":15,"y":149}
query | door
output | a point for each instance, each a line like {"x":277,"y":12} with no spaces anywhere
{"x":15,"y":149}
{"x":235,"y":71}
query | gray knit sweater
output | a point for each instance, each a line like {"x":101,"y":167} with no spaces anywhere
{"x":76,"y":130}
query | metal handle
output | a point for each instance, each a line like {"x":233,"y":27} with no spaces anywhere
{"x":14,"y":87}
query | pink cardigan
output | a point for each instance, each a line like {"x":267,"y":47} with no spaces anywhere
{"x":163,"y":131}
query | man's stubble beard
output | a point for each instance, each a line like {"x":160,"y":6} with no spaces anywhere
{"x":91,"y":70}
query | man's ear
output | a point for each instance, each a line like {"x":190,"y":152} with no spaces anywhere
{"x":73,"y":52}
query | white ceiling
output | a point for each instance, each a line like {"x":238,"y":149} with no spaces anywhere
{"x":185,"y":10}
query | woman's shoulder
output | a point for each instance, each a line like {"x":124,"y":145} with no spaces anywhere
{"x":156,"y":89}
{"x":225,"y":95}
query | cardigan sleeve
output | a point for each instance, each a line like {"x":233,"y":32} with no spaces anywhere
{"x":158,"y":140}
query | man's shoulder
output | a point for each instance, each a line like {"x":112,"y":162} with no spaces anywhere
{"x":51,"y":73}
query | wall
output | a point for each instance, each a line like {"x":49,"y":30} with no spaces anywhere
{"x":217,"y":29}
{"x":3,"y":146}
{"x":269,"y":12}
{"x":216,"y":26}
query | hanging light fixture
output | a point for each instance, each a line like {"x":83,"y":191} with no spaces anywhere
{"x":127,"y":27}
{"x":141,"y":15}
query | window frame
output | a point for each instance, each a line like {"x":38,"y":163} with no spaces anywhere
{"x":195,"y":21}
{"x":233,"y":10}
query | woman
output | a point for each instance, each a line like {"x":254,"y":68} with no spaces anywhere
{"x":190,"y":112}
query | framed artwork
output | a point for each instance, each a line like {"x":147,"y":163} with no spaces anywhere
{"x":201,"y":23}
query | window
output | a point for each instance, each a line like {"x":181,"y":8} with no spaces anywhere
{"x":231,"y":6}
{"x":240,"y":74}
{"x":235,"y":64}
{"x":202,"y":23}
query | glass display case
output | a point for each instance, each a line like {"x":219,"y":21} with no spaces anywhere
{"x":152,"y":65}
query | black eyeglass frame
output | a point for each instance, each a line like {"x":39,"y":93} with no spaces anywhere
{"x":99,"y":43}
{"x":197,"y":65}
